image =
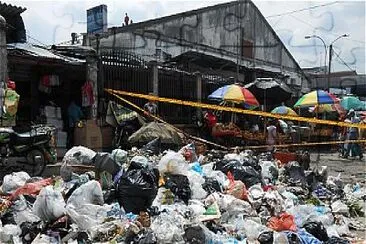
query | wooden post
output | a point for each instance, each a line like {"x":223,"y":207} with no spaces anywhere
{"x":92,"y":76}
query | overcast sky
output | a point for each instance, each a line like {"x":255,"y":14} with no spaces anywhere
{"x":51,"y":22}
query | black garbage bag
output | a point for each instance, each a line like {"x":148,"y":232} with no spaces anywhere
{"x":215,"y":227}
{"x":266,"y":237}
{"x":179,"y":186}
{"x":337,"y":240}
{"x":153,"y":147}
{"x":194,"y":234}
{"x":295,"y":173}
{"x":29,"y":231}
{"x":137,"y":188}
{"x":250,"y":161}
{"x":317,"y":229}
{"x":293,"y":238}
{"x":211,"y":185}
{"x":247,"y":174}
{"x":224,"y":164}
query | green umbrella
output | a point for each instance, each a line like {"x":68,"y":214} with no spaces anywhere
{"x":351,"y":103}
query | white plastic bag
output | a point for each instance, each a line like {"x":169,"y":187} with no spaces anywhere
{"x":23,"y":213}
{"x":79,"y":155}
{"x":340,"y":208}
{"x":13,"y":181}
{"x":49,"y":205}
{"x":8,"y":232}
{"x":119,"y":155}
{"x":87,"y":216}
{"x":173,"y":163}
{"x":90,"y":192}
{"x":195,"y":181}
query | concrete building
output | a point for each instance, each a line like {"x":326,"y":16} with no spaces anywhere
{"x":231,"y":39}
{"x":342,"y":82}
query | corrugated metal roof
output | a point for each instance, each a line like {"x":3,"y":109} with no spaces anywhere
{"x":35,"y":51}
{"x":10,"y":10}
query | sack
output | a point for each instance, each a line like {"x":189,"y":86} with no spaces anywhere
{"x":317,"y":230}
{"x":90,"y":192}
{"x":49,"y":205}
{"x":179,"y":186}
{"x":13,"y":181}
{"x":283,"y":222}
{"x":137,"y":189}
{"x":237,"y":188}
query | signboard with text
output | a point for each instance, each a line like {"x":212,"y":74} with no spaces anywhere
{"x":97,"y":19}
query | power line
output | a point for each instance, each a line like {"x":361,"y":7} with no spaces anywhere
{"x":342,"y":60}
{"x":301,"y":10}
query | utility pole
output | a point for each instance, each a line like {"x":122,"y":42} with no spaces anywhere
{"x":3,"y":62}
{"x":329,"y":65}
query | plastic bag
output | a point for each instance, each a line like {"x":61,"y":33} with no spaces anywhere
{"x":196,"y":234}
{"x":8,"y":232}
{"x":137,"y":189}
{"x":317,"y":230}
{"x":340,"y":208}
{"x":87,"y":215}
{"x":266,"y":237}
{"x":196,"y":181}
{"x":49,"y":205}
{"x":153,"y":147}
{"x":23,"y":213}
{"x":90,"y":192}
{"x":172,"y":222}
{"x":119,"y":156}
{"x":212,"y":185}
{"x":237,"y":188}
{"x":141,"y":160}
{"x":173,"y":163}
{"x":103,"y":162}
{"x":283,"y":222}
{"x":179,"y":186}
{"x":13,"y":181}
{"x":269,"y":171}
{"x":31,"y":189}
{"x":247,"y":174}
{"x":79,"y":155}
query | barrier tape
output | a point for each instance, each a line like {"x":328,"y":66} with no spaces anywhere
{"x":162,"y":121}
{"x":236,"y":110}
{"x":361,"y":141}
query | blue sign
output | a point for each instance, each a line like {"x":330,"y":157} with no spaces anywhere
{"x":97,"y":19}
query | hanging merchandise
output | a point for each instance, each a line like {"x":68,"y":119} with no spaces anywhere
{"x":11,"y":84}
{"x":87,"y":94}
{"x":44,"y":84}
{"x":11,"y":104}
{"x":54,"y":80}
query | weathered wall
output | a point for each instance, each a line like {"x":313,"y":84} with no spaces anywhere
{"x":216,"y":31}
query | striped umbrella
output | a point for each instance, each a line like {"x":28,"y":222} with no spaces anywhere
{"x":284,"y":110}
{"x":315,"y":98}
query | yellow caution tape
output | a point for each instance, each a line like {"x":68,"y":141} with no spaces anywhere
{"x":236,"y":110}
{"x":361,"y":141}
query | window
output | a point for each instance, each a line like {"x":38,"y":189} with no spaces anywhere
{"x":247,"y":49}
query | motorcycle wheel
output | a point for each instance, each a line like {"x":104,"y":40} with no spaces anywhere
{"x":38,"y":165}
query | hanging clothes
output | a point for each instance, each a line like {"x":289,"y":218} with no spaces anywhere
{"x":87,"y":94}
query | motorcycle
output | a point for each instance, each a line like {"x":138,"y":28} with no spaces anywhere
{"x":123,"y":132}
{"x":29,"y":151}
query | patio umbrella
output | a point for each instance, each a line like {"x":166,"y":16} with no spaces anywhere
{"x":235,"y":94}
{"x":269,"y":91}
{"x":351,"y":103}
{"x":327,"y":108}
{"x":316,"y":97}
{"x":284,"y":110}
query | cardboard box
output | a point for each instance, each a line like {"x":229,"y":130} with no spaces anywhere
{"x":89,"y":135}
{"x":107,"y":136}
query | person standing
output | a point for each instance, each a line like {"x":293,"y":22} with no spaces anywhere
{"x":271,"y":135}
{"x":74,"y":115}
{"x":353,"y":134}
{"x":127,"y":19}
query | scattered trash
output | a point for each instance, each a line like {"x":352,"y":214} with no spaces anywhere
{"x":150,"y":196}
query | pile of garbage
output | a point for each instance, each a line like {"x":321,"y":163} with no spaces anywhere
{"x":144,"y":196}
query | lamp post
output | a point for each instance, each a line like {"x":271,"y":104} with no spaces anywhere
{"x":330,"y":56}
{"x":325,"y":56}
{"x":325,"y":51}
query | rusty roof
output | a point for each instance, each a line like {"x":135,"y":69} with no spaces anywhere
{"x":10,"y":10}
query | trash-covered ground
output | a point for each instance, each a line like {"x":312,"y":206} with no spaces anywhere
{"x":143,"y":196}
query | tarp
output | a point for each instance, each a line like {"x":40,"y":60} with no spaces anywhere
{"x":153,"y":130}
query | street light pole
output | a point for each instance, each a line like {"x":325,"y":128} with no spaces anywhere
{"x":325,"y":51}
{"x":330,"y":56}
